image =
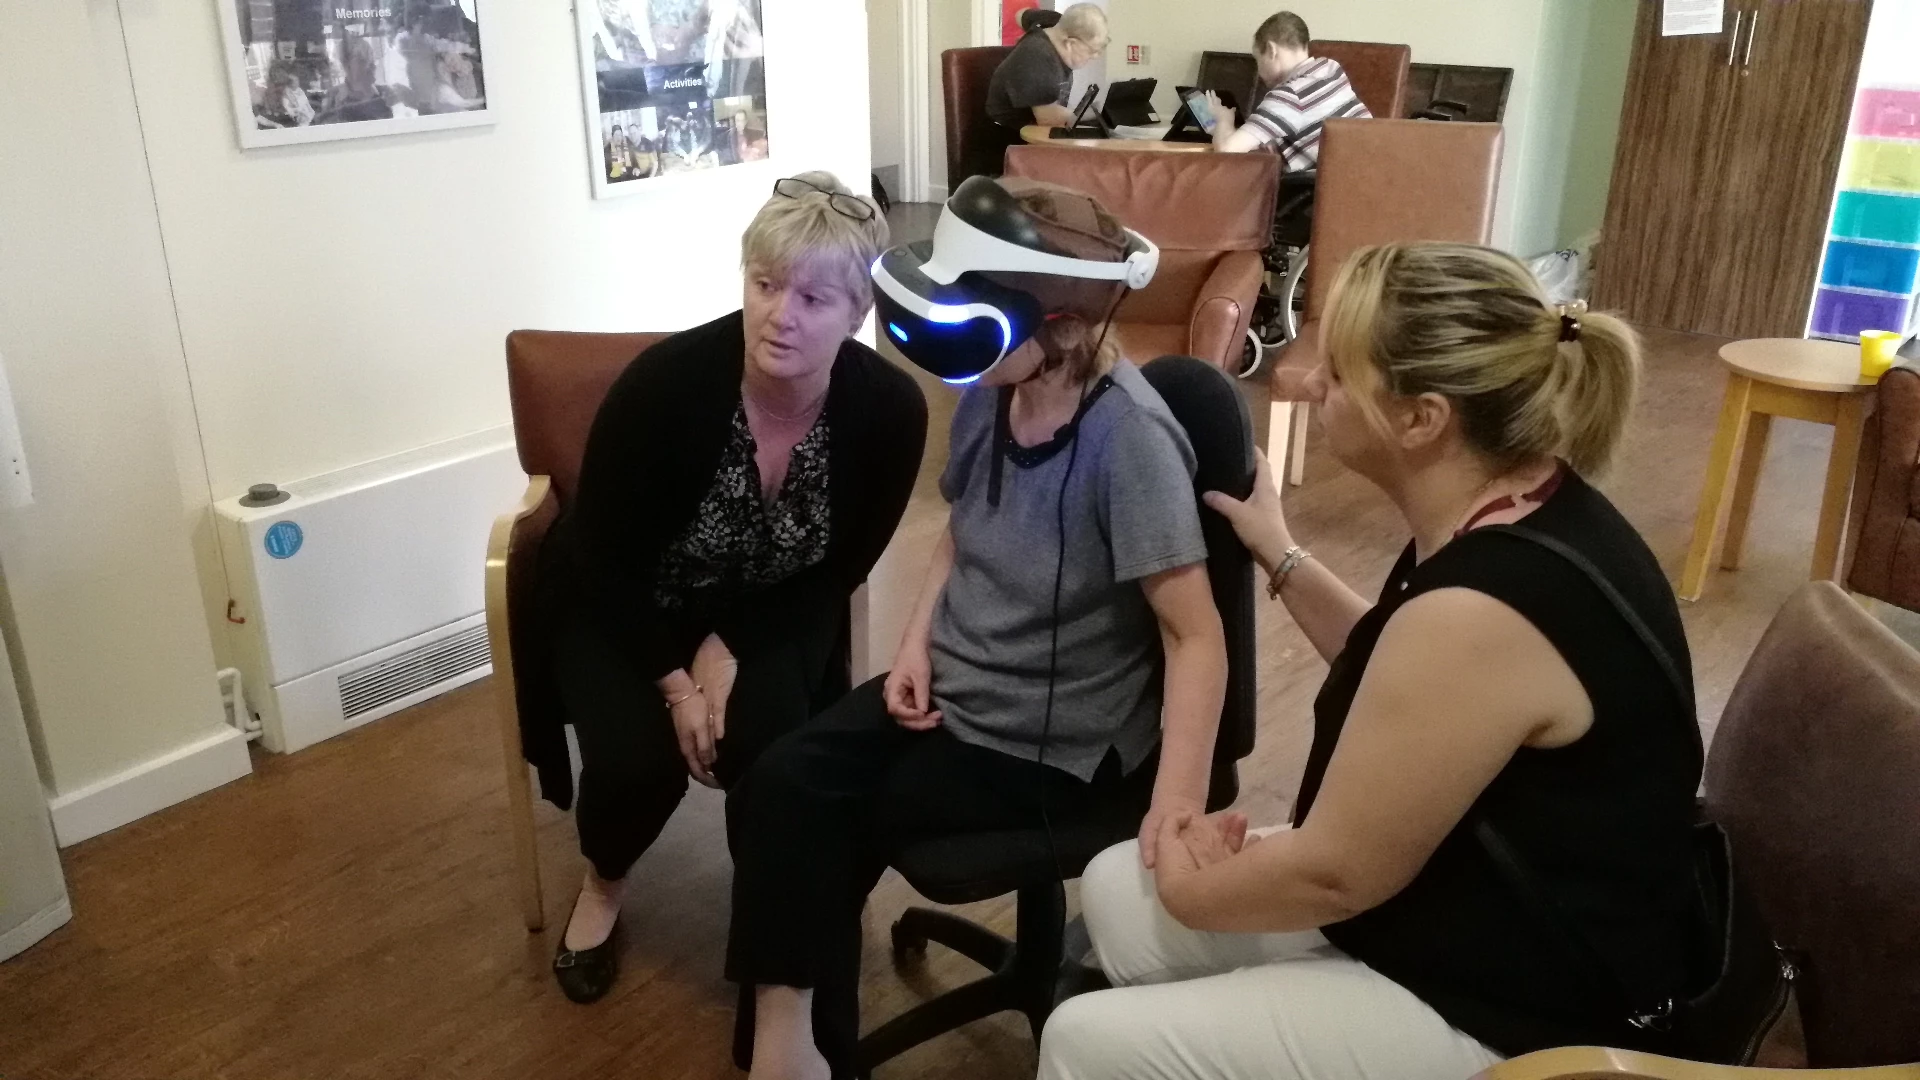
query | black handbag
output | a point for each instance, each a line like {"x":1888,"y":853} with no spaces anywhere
{"x":1723,"y":1023}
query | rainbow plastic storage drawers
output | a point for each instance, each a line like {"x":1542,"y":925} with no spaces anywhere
{"x":1870,"y":277}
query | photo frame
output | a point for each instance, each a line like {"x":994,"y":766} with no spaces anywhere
{"x":672,"y":88}
{"x":303,"y":71}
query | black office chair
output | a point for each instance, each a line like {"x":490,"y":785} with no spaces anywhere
{"x":1030,"y":974}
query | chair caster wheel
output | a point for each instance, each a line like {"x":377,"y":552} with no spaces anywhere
{"x":907,"y":942}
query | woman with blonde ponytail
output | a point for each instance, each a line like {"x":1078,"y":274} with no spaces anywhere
{"x":1495,"y":708}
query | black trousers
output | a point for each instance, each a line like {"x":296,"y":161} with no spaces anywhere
{"x":632,"y":776}
{"x":818,"y":817}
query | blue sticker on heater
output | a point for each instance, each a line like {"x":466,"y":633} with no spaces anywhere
{"x":284,"y":540}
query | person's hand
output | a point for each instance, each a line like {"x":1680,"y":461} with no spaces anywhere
{"x":1188,"y":843}
{"x":909,"y":690}
{"x":713,"y":669}
{"x":1222,"y":112}
{"x":693,"y":728}
{"x":1258,"y":519}
{"x":1163,"y":810}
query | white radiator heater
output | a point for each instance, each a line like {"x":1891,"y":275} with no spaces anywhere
{"x":362,"y":592}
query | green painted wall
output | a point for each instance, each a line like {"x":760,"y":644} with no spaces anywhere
{"x":1573,"y":122}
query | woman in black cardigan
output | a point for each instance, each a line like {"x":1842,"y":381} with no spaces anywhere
{"x":739,"y":483}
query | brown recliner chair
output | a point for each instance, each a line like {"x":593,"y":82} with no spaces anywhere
{"x":1812,"y":774}
{"x":1211,"y":215}
{"x":975,"y":144}
{"x":1886,"y":494}
{"x":1365,"y":196}
{"x":1378,"y":71}
{"x":556,"y":381}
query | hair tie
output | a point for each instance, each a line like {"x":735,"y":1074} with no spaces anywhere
{"x":1570,"y":319}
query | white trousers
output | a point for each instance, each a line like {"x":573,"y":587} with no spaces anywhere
{"x":1190,"y":1005}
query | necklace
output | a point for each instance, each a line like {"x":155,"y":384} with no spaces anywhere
{"x":1539,"y":494}
{"x":793,"y":419}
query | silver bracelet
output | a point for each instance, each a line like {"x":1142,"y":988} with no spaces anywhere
{"x":674,"y":703}
{"x":1288,"y":563}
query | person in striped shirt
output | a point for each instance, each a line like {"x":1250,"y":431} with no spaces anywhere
{"x":1306,"y":91}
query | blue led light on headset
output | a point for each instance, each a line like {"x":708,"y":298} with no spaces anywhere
{"x":943,"y":310}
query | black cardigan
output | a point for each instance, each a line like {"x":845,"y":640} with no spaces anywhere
{"x":651,"y":455}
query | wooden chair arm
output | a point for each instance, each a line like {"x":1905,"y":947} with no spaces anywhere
{"x":499,"y":554}
{"x":537,"y":500}
{"x":1602,"y":1063}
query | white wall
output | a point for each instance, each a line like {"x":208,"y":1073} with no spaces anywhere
{"x":888,"y":144}
{"x":949,"y":26}
{"x":112,"y":653}
{"x":335,"y":303}
{"x":344,"y":301}
{"x":1501,"y":33}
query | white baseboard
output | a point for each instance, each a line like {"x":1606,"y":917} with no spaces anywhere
{"x":28,"y":934}
{"x":171,"y":778}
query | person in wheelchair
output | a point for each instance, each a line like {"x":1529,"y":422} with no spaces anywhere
{"x":1064,"y":662}
{"x":1305,"y":92}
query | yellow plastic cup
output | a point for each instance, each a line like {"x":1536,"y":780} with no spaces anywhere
{"x":1877,"y":352}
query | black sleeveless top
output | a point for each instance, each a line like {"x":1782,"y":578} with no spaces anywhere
{"x":1602,"y":822}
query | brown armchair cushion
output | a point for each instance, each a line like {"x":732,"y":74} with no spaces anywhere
{"x":1365,"y":196}
{"x":974,"y":142}
{"x":1378,"y":71}
{"x":1202,"y":210}
{"x":1815,"y":774}
{"x":556,"y":381}
{"x":1886,"y":494}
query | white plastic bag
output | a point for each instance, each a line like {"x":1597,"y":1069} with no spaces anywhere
{"x":1561,"y":274}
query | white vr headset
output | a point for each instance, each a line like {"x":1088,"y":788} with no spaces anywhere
{"x":935,"y":304}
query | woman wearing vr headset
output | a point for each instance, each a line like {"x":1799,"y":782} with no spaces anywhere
{"x":740,"y":480}
{"x":1515,"y":707}
{"x":1030,"y":686}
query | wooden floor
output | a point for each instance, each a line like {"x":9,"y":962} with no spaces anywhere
{"x":348,"y":912}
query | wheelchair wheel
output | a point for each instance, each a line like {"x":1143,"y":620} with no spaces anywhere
{"x":1292,"y":300}
{"x":1251,"y":354}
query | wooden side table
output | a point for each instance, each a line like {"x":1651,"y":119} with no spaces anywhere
{"x":1768,"y":377}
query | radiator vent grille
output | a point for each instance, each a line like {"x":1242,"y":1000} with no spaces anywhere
{"x":390,"y":680}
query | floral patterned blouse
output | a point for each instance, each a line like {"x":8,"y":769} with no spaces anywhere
{"x":739,"y":541}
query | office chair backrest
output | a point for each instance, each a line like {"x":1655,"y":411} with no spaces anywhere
{"x":556,"y":381}
{"x":975,"y":143}
{"x":1377,"y":70}
{"x":1208,"y":405}
{"x":1813,"y":774}
{"x":1362,"y":197}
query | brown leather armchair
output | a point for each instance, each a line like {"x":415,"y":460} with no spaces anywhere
{"x":1812,"y":776}
{"x":975,"y":144}
{"x":1211,"y":215}
{"x":1367,"y":194}
{"x":1378,"y":71}
{"x":1886,"y":494}
{"x":556,"y":381}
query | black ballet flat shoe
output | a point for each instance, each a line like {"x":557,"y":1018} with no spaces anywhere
{"x":585,"y":975}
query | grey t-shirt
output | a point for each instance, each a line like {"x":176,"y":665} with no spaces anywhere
{"x":1130,"y":513}
{"x":1033,"y":74}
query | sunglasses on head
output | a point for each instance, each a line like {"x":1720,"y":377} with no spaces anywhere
{"x":795,"y":188}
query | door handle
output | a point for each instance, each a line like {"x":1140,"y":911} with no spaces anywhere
{"x":1733,"y":47}
{"x":1753,"y":30}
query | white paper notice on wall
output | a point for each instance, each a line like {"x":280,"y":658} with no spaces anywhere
{"x":16,"y":488}
{"x":1678,"y":17}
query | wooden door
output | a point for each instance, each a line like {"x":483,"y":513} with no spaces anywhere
{"x":1793,"y":91}
{"x":1655,"y":255}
